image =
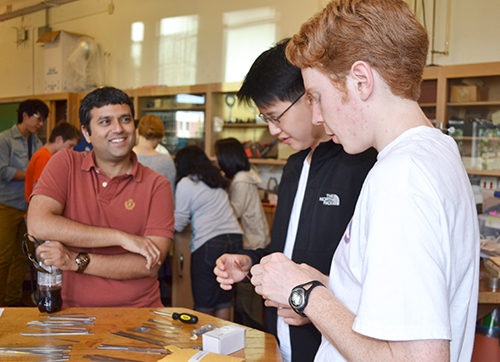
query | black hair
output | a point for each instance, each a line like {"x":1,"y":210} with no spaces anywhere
{"x":272,"y":78}
{"x":231,"y":157}
{"x":67,"y":131}
{"x":101,"y":97}
{"x":191,"y":161}
{"x":31,"y":107}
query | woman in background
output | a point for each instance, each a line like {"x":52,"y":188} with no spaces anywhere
{"x":247,"y":207}
{"x":200,"y":198}
{"x":150,"y":131}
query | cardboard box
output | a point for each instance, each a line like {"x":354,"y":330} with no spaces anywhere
{"x":468,"y":93}
{"x":225,"y":340}
{"x":57,"y":47}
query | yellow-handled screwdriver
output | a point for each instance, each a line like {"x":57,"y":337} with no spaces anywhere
{"x":183,"y":317}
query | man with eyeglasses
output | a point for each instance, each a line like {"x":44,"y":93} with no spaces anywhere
{"x":316,"y":197}
{"x":17,"y":145}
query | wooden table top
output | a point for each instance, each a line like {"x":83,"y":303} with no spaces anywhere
{"x":487,"y":295}
{"x":259,"y":346}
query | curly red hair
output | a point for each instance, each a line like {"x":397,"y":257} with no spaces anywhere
{"x":383,"y":33}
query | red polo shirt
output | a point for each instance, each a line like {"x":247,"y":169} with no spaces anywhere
{"x":138,"y":203}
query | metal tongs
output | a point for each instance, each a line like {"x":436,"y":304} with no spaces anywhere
{"x":39,"y":266}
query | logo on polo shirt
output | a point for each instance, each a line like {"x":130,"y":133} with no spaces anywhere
{"x":129,"y":204}
{"x":330,"y":200}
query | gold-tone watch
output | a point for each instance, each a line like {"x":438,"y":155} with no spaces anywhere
{"x":82,"y":260}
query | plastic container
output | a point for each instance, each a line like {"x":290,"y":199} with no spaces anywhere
{"x":489,"y":226}
{"x":49,"y":290}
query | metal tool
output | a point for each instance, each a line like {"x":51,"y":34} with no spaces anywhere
{"x":161,"y":329}
{"x":203,"y":329}
{"x":183,"y":317}
{"x":100,"y":358}
{"x":165,"y":324}
{"x":151,"y":350}
{"x":58,"y":334}
{"x":60,"y":352}
{"x":140,"y":338}
{"x":59,"y":339}
{"x":145,"y":330}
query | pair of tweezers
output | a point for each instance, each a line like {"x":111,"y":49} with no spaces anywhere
{"x":117,"y":347}
{"x":100,"y":358}
{"x":140,"y":338}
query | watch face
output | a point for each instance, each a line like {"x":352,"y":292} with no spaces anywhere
{"x":297,"y":298}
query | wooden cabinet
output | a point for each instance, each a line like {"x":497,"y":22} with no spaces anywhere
{"x":181,"y":270}
{"x":182,"y":110}
{"x":464,"y":100}
{"x":231,"y":119}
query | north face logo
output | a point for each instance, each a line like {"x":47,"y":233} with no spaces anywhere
{"x":330,"y":200}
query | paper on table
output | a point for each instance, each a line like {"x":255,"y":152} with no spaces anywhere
{"x":1,"y":311}
{"x":193,"y":355}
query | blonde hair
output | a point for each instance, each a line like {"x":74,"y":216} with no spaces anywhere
{"x":151,"y":127}
{"x":383,"y":33}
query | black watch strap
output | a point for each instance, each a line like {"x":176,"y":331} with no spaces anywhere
{"x":299,"y":296}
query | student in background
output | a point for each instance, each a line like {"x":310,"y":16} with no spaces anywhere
{"x":403,"y":284}
{"x":17,"y":145}
{"x":150,"y":132}
{"x":316,"y":196}
{"x":201,"y":198}
{"x":247,"y":207}
{"x":64,"y":135}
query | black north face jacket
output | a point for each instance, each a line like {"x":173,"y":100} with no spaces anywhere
{"x":333,"y":186}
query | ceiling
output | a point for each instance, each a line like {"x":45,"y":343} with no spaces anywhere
{"x":17,"y":4}
{"x":13,"y":8}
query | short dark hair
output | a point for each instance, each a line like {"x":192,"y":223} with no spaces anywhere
{"x":192,"y":162}
{"x":101,"y":97}
{"x":31,"y":107}
{"x":67,"y":131}
{"x":272,"y":78}
{"x":231,"y":157}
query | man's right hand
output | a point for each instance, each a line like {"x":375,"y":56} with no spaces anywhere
{"x":231,"y":268}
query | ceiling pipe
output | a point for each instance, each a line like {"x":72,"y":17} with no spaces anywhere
{"x":32,"y":9}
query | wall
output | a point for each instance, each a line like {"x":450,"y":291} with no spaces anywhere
{"x":21,"y":66}
{"x":474,"y":33}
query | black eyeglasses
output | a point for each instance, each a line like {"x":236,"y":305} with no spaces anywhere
{"x":40,"y":119}
{"x":276,"y":120}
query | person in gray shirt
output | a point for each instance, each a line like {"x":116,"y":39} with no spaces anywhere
{"x":17,"y":145}
{"x":150,"y":131}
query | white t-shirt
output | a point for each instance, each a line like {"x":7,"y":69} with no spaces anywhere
{"x":283,"y":330}
{"x":408,"y":263}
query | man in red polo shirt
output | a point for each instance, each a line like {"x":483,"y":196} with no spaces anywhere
{"x":111,"y":216}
